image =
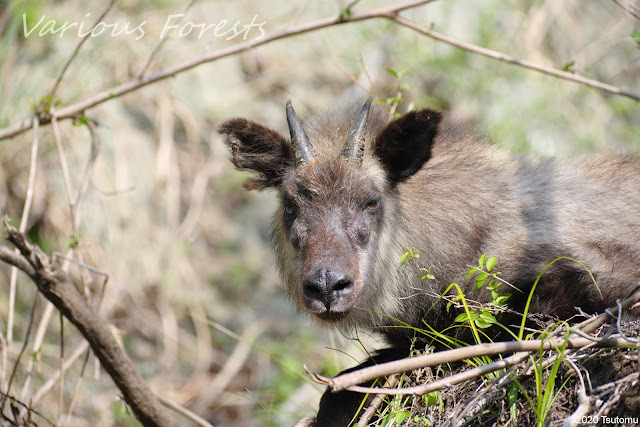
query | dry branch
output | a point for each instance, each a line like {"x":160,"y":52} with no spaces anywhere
{"x":351,"y":379}
{"x":565,"y":75}
{"x":26,"y":210}
{"x":377,"y":401}
{"x":77,"y":109}
{"x":630,"y":8}
{"x":390,"y":12}
{"x":58,"y":289}
{"x":77,"y":49}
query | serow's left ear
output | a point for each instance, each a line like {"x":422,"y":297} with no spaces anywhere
{"x":404,"y":145}
{"x":258,"y":149}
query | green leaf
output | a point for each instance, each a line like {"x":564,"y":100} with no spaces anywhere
{"x":485,"y":315}
{"x":636,"y":36}
{"x":481,"y":323}
{"x":80,"y":121}
{"x":392,"y":100}
{"x":345,"y":14}
{"x":502,"y":299}
{"x":392,"y":71}
{"x":461,"y":318}
{"x":397,"y":74}
{"x":431,"y":398}
{"x":480,"y":279}
{"x":568,"y":66}
{"x":402,"y":86}
{"x":72,"y":242}
{"x":400,"y":416}
{"x":491,"y":262}
{"x":471,"y":273}
{"x":410,"y":254}
{"x":482,"y":260}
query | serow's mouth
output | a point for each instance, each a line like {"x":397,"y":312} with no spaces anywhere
{"x":332,"y":316}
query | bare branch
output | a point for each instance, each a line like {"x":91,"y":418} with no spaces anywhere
{"x":515,"y":61}
{"x":79,"y":107}
{"x":84,"y":184}
{"x":377,"y":401}
{"x":15,"y":259}
{"x":56,"y":287}
{"x":65,"y":170}
{"x":441,"y":383}
{"x":84,"y":346}
{"x":75,"y":51}
{"x":629,"y":8}
{"x":349,"y":380}
{"x":162,"y":42}
{"x":26,"y":210}
{"x":234,"y":363}
{"x":184,"y":411}
{"x":22,"y":350}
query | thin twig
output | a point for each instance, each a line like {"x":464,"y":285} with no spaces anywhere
{"x":629,"y":9}
{"x":514,"y":61}
{"x":3,"y":360}
{"x":585,"y":405}
{"x":29,"y":408}
{"x":26,"y":210}
{"x":93,"y":155}
{"x":377,"y":401}
{"x":57,"y":288}
{"x":345,"y":381}
{"x":75,"y":51}
{"x":75,"y":214}
{"x":384,"y":369}
{"x":64,"y":169}
{"x":61,"y":362}
{"x":234,"y":363}
{"x":162,"y":42}
{"x":441,"y":383}
{"x":75,"y":109}
{"x":46,"y":387}
{"x":185,"y":412}
{"x":76,"y":390}
{"x":37,"y":344}
{"x":97,"y":309}
{"x":22,"y":350}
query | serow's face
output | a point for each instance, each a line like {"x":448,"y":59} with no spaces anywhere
{"x":333,"y":207}
{"x":332,"y":214}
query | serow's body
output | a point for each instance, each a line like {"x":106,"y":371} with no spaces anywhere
{"x":357,"y":190}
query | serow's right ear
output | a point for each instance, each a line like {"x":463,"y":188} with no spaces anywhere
{"x":258,"y":149}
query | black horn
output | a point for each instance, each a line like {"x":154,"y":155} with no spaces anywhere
{"x":354,"y":146}
{"x":302,"y":147}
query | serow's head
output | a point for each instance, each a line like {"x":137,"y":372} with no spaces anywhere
{"x":339,"y":199}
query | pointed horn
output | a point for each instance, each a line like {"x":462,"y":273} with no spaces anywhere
{"x":302,"y":148}
{"x":354,"y":146}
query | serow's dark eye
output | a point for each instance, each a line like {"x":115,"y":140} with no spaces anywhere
{"x":372,"y":205}
{"x":289,"y":210}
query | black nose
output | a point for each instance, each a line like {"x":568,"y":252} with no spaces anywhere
{"x":326,"y":286}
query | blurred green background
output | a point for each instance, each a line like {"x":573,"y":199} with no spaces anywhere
{"x":165,"y":216}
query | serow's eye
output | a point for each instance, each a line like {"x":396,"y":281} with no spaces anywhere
{"x":290,"y":210}
{"x":372,"y":205}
